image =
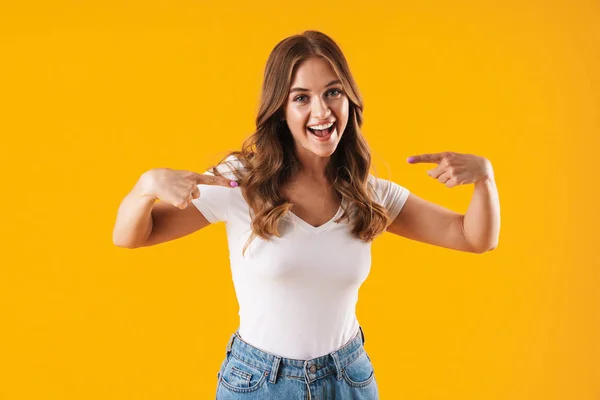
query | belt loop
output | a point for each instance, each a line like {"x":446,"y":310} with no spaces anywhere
{"x":338,"y":367}
{"x":230,"y":343}
{"x":362,"y":334}
{"x":275,"y":369}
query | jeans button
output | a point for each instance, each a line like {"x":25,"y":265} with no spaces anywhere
{"x":312,"y":369}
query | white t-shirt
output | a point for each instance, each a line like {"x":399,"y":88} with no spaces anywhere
{"x":297,"y":294}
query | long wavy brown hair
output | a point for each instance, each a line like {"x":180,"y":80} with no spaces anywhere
{"x":269,"y":159}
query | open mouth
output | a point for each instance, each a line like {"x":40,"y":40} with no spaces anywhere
{"x":322,"y":133}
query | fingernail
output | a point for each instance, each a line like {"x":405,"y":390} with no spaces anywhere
{"x":410,"y":159}
{"x":233,"y":183}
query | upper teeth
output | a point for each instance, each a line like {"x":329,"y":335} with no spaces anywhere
{"x":321,"y":127}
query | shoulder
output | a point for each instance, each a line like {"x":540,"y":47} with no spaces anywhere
{"x":382,"y":187}
{"x":388,"y":193}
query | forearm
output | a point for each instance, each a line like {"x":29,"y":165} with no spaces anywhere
{"x":481,"y":223}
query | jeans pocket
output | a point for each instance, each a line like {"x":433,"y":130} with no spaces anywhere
{"x":241,"y":377}
{"x":360,"y":372}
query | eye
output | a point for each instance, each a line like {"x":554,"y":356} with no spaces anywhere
{"x":297,"y":98}
{"x":335,"y":92}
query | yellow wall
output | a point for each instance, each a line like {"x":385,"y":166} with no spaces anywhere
{"x":95,"y":93}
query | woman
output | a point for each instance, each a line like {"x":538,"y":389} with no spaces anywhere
{"x":301,"y":210}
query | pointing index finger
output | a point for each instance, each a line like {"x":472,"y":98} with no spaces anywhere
{"x":206,"y":179}
{"x":427,"y":158}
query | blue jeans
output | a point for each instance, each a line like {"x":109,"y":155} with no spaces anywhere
{"x":250,"y":373}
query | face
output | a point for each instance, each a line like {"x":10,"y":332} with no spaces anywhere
{"x":317,"y":109}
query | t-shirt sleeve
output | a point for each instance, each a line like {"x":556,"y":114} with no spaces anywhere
{"x":390,"y":195}
{"x":213,"y":202}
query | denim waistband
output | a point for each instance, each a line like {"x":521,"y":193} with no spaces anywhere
{"x":310,"y":370}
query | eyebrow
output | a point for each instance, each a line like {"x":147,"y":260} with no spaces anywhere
{"x":298,"y":89}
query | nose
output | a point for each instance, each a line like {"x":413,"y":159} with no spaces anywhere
{"x":320,"y":109}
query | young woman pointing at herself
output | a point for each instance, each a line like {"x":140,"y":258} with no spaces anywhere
{"x":301,"y":210}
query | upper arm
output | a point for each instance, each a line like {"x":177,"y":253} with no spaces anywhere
{"x":430,"y":223}
{"x":170,"y":222}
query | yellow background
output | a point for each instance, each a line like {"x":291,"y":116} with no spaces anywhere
{"x":95,"y":93}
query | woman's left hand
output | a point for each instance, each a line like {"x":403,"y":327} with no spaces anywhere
{"x":455,"y":168}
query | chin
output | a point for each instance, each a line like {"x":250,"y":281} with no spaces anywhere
{"x":323,"y":153}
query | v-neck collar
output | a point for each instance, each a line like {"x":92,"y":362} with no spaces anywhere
{"x":321,"y":228}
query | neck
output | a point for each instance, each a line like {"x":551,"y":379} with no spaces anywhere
{"x":312,"y":166}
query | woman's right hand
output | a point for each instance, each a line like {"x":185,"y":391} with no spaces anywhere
{"x":177,"y":187}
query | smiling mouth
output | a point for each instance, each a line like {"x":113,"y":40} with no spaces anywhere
{"x":322,"y":132}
